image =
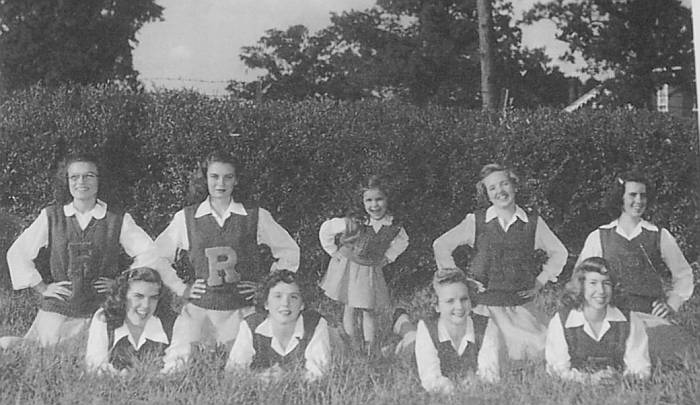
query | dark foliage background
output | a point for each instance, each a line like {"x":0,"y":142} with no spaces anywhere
{"x":304,"y":161}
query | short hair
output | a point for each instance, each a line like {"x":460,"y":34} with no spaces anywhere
{"x":616,"y":192}
{"x":481,"y":192}
{"x":274,"y":278}
{"x":198,"y":190}
{"x":573,"y":292}
{"x":443,"y":277}
{"x":61,"y":191}
{"x":115,"y":303}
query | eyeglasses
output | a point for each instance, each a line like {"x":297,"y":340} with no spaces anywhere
{"x":86,"y":177}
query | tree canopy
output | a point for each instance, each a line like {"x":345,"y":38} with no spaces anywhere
{"x":58,"y":41}
{"x":644,"y":43}
{"x":419,"y":50}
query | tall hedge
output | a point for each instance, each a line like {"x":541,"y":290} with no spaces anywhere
{"x":304,"y":161}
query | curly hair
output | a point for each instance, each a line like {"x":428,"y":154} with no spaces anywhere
{"x":482,"y":194}
{"x":115,"y":303}
{"x":573,"y":293}
{"x":357,"y":214}
{"x":616,"y":192}
{"x":444,"y":277}
{"x":61,"y":191}
{"x":274,"y":278}
{"x":198,"y":189}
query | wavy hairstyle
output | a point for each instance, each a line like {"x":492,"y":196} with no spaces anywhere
{"x":357,"y":214}
{"x":198,"y":190}
{"x":61,"y":191}
{"x":115,"y":303}
{"x":572,"y":295}
{"x":616,"y":192}
{"x":274,"y":278}
{"x":482,"y":194}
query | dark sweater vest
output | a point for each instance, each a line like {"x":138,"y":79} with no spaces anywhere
{"x":123,"y":355}
{"x":367,"y":247}
{"x":637,"y":263}
{"x":504,"y":261}
{"x":589,"y":355}
{"x":81,"y":257}
{"x":223,"y":256}
{"x":451,"y":363}
{"x":266,"y":357}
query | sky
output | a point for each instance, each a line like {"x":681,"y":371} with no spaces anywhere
{"x":198,"y":43}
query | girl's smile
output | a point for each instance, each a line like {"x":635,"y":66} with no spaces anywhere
{"x":82,"y":180}
{"x":634,"y":200}
{"x":141,"y":301}
{"x":597,"y":290}
{"x":221,"y":178}
{"x":284,"y":303}
{"x":453,"y":303}
{"x":500,"y":189}
{"x":375,"y":202}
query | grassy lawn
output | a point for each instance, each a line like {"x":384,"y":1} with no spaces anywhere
{"x":29,"y":375}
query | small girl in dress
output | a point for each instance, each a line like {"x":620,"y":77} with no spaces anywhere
{"x":134,"y":324}
{"x":367,"y":244}
{"x":287,"y":336}
{"x":590,"y":338}
{"x":457,"y":340}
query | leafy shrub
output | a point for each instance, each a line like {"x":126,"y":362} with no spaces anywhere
{"x":304,"y":161}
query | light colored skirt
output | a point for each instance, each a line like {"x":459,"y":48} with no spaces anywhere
{"x":523,"y":329}
{"x":355,"y":285}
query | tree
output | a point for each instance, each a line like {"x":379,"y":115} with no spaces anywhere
{"x":644,"y":43}
{"x":488,"y":96}
{"x":58,"y":41}
{"x":420,"y":50}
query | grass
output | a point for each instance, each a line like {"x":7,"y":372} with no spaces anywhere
{"x":29,"y":375}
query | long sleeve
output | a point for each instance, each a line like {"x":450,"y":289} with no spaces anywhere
{"x":591,"y":247}
{"x":21,"y":255}
{"x":462,"y":234}
{"x":242,"y":352}
{"x":557,"y":254}
{"x":636,"y":358}
{"x":281,"y":244}
{"x":428,"y":362}
{"x":397,"y":246}
{"x":97,"y":351}
{"x":681,"y":272}
{"x":556,"y":353}
{"x":488,"y":364}
{"x":174,"y":237}
{"x":326,"y":234}
{"x":318,"y":352}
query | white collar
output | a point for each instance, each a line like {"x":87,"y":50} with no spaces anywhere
{"x":98,"y":211}
{"x":576,"y":319}
{"x":377,"y":224}
{"x":519,"y":214}
{"x":153,"y":330}
{"x":444,"y":335}
{"x":265,"y":329}
{"x":206,"y":209}
{"x":636,"y":231}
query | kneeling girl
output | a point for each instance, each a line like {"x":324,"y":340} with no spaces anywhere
{"x":457,"y":340}
{"x":590,"y":338}
{"x":287,"y":336}
{"x":134,"y":325}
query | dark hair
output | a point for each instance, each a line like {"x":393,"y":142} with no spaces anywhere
{"x":443,"y":277}
{"x":573,"y":292}
{"x":61,"y":191}
{"x":115,"y":303}
{"x":274,"y":278}
{"x":481,"y":192}
{"x":198,"y":190}
{"x":357,"y":214}
{"x":616,"y":192}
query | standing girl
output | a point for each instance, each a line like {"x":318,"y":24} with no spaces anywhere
{"x":505,"y":238}
{"x":84,"y":238}
{"x":221,"y":236}
{"x":590,"y":338}
{"x":367,"y":244}
{"x":134,"y":324}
